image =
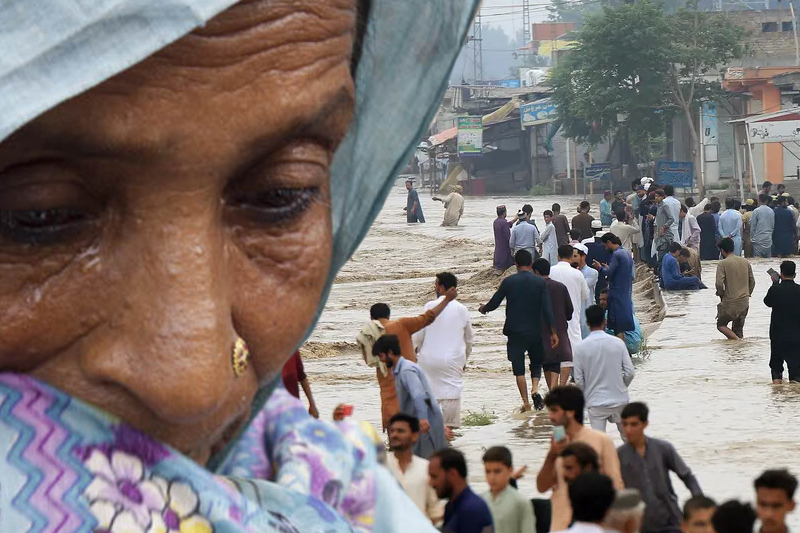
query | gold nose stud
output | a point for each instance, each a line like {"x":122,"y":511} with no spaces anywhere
{"x":240,"y":357}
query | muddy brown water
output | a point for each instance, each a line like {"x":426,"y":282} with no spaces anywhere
{"x":711,"y":398}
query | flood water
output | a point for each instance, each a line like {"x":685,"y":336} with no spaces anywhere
{"x":711,"y":398}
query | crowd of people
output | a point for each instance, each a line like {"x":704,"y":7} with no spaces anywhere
{"x":570,"y":319}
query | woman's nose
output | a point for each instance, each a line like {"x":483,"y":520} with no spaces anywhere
{"x":170,"y":343}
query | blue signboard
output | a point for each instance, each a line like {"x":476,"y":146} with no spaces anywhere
{"x":512,"y":84}
{"x":598,"y":172}
{"x":540,"y":112}
{"x":675,"y":173}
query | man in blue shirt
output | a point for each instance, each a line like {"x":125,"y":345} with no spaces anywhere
{"x":414,"y":395}
{"x":466,"y":512}
{"x":671,"y":276}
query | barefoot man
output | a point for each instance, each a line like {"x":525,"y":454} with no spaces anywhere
{"x":527,"y":306}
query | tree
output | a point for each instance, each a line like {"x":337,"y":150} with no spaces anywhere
{"x":639,"y":62}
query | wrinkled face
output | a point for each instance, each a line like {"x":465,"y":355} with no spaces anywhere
{"x":400,"y":436}
{"x":148,"y":222}
{"x":438,"y":479}
{"x":633,"y":428}
{"x":772,"y":506}
{"x":497,"y":475}
{"x":699,"y":521}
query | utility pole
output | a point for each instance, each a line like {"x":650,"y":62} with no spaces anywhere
{"x":794,"y":30}
{"x":526,"y":21}
{"x":477,"y":49}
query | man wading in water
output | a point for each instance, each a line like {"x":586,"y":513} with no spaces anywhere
{"x":527,"y":307}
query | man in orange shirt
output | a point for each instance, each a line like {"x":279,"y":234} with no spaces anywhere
{"x":565,"y":405}
{"x":404,"y":328}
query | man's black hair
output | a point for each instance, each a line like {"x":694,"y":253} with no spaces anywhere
{"x":523,"y":258}
{"x":788,"y":268}
{"x":565,"y":251}
{"x":621,"y":215}
{"x":387,"y":344}
{"x":690,"y":202}
{"x":447,"y":280}
{"x":542,"y":266}
{"x":669,"y":190}
{"x":378,"y":311}
{"x":584,"y":454}
{"x":595,"y":315}
{"x":716,"y":206}
{"x":726,"y":245}
{"x":591,"y":496}
{"x":585,"y":205}
{"x":575,"y":234}
{"x":707,"y":207}
{"x":729,"y":203}
{"x":777,"y":479}
{"x":610,"y":237}
{"x":696,"y":503}
{"x":502,"y":211}
{"x":527,"y":208}
{"x":412,"y":421}
{"x":637,"y":409}
{"x":547,"y":213}
{"x":734,"y":517}
{"x":568,"y":398}
{"x":451,"y":459}
{"x":764,"y":198}
{"x":675,"y":247}
{"x":684,"y":209}
{"x":556,"y":208}
{"x":685,"y":252}
{"x":498,"y":454}
{"x":766,"y":184}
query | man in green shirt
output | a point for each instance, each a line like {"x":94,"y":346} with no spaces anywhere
{"x":512,"y":513}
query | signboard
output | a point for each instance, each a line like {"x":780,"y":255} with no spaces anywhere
{"x":540,"y":112}
{"x":598,"y":172}
{"x":512,"y":84}
{"x":675,"y":173}
{"x":470,"y":135}
{"x":774,"y":132}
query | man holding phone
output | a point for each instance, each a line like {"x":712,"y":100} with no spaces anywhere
{"x":566,"y":405}
{"x":784,"y":324}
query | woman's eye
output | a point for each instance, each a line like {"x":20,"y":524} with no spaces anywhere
{"x":276,"y":204}
{"x":39,"y":226}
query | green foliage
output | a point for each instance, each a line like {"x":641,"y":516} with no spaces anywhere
{"x":639,"y":61}
{"x":541,"y":190}
{"x":482,"y":418}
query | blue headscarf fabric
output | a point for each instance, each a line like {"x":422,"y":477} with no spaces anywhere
{"x":66,"y":467}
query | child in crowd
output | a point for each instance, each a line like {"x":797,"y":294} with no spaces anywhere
{"x":512,"y":512}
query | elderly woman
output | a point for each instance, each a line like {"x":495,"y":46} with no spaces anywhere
{"x":174,"y":177}
{"x":453,"y":206}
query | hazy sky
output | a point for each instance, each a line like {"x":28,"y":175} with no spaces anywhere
{"x":508,"y":13}
{"x":504,"y":18}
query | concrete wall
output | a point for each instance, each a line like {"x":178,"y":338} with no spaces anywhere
{"x":769,"y":48}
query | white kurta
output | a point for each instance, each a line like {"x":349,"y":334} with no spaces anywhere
{"x":550,"y":244}
{"x":443,"y":349}
{"x":626,"y":232}
{"x":573,"y":279}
